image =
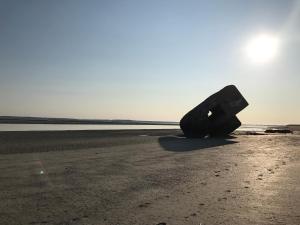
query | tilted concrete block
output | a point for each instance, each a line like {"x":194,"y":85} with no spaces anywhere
{"x":216,"y":115}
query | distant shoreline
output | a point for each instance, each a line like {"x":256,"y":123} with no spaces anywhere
{"x":294,"y":127}
{"x":70,"y":121}
{"x":45,"y":120}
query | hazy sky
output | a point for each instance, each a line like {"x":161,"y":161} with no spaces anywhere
{"x":149,"y":60}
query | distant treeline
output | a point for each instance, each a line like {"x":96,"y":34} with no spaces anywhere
{"x":45,"y":120}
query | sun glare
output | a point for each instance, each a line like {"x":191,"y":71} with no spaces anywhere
{"x":262,"y":48}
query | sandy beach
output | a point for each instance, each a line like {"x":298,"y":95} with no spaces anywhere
{"x":148,"y":177}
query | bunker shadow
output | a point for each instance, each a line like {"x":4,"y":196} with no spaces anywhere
{"x":182,"y":144}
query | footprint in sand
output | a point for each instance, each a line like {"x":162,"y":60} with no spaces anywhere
{"x":260,"y":176}
{"x":144,"y":205}
{"x":217,"y":173}
{"x":220,"y":199}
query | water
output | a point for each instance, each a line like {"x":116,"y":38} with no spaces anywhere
{"x":47,"y":127}
{"x":254,"y":128}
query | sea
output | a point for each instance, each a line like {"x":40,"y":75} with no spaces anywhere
{"x":57,"y":127}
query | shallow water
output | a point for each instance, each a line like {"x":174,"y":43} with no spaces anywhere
{"x":47,"y":127}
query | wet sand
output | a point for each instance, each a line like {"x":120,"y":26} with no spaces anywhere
{"x":148,"y":177}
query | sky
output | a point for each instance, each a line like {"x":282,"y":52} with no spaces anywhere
{"x":146,"y":60}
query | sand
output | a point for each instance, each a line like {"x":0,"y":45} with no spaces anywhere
{"x":148,"y":177}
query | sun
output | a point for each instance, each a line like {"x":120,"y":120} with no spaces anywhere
{"x":262,"y":48}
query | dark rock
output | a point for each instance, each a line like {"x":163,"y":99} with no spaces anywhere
{"x":215,"y":116}
{"x":280,"y":131}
